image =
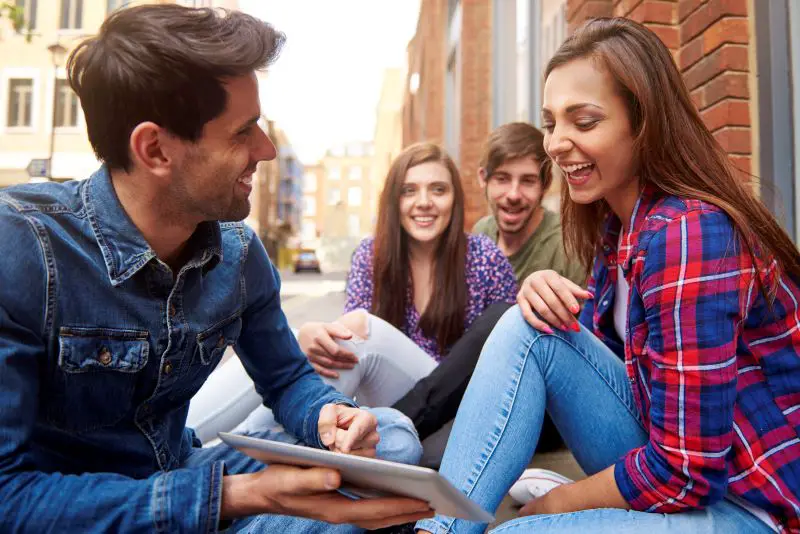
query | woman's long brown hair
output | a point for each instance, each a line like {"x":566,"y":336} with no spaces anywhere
{"x":674,"y":149}
{"x":444,"y":316}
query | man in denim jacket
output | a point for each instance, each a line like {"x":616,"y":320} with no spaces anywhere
{"x":120,"y":293}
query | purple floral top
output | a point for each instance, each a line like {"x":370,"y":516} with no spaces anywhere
{"x":489,"y":275}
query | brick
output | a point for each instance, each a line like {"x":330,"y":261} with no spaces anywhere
{"x":588,"y":9}
{"x":655,"y":11}
{"x":742,"y":164}
{"x":687,"y":7}
{"x":735,"y":140}
{"x":725,"y":30}
{"x":728,"y":57}
{"x":475,"y":112}
{"x":623,"y":8}
{"x":691,"y":53}
{"x":708,"y":14}
{"x":668,"y":35}
{"x":729,"y":112}
{"x":728,"y":84}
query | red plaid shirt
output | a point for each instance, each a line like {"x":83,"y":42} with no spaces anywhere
{"x":715,"y":373}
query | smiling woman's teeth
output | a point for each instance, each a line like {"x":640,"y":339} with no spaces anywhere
{"x":574,"y":168}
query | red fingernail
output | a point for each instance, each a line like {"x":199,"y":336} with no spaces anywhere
{"x":547,"y":330}
{"x":575,"y":308}
{"x":576,"y":327}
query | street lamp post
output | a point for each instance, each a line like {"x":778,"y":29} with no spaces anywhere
{"x":57,"y":52}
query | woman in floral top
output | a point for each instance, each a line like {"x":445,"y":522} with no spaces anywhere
{"x":414,"y":289}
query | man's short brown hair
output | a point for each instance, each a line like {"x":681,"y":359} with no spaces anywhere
{"x":165,"y":64}
{"x":513,"y":141}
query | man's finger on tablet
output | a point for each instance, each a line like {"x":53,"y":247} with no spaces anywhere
{"x":294,"y":481}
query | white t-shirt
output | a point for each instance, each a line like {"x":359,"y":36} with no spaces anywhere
{"x":621,"y":298}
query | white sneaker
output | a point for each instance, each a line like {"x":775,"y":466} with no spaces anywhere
{"x":534,"y":483}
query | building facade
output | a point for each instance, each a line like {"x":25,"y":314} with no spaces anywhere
{"x":476,"y":64}
{"x":343,"y":192}
{"x":40,"y":117}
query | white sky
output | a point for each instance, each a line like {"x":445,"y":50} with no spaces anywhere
{"x":324,"y":88}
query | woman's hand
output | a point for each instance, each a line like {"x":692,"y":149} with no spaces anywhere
{"x":318,"y":341}
{"x":554,"y":298}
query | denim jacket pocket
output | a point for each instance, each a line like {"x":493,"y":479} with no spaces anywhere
{"x":211,"y":346}
{"x":95,"y":382}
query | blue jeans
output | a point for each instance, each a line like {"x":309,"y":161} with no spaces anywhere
{"x":399,"y":443}
{"x":584,"y":387}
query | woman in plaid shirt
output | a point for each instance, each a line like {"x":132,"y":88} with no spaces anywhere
{"x":679,"y":390}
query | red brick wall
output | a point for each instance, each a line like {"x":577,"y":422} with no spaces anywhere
{"x":423,"y":114}
{"x":476,"y":107}
{"x":709,"y":40}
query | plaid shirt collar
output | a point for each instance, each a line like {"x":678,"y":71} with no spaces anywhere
{"x":611,"y":249}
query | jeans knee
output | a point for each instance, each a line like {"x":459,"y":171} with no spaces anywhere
{"x":399,"y":439}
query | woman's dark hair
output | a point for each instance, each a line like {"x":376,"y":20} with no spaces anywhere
{"x":444,"y":316}
{"x":675,"y":150}
{"x":165,"y":64}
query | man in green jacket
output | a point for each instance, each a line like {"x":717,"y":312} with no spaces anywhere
{"x":515,"y":174}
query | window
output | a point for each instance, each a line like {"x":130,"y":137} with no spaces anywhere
{"x":309,"y":182}
{"x":355,"y":173}
{"x":66,"y":105}
{"x":334,"y":196}
{"x":20,"y":103}
{"x":452,"y":107}
{"x":353,"y":225}
{"x":334,"y":173}
{"x":309,"y":206}
{"x":354,"y":196}
{"x":71,"y":14}
{"x":113,"y":5}
{"x":28,"y":8}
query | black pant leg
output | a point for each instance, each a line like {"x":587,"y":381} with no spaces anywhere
{"x":434,"y":400}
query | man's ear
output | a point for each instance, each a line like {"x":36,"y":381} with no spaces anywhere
{"x":482,"y":177}
{"x":149,"y":150}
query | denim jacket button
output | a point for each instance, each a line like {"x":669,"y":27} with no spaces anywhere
{"x":105,"y":356}
{"x":221,"y":341}
{"x":167,"y":368}
{"x":172,"y":310}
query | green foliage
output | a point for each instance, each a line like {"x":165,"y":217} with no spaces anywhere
{"x":16,"y":14}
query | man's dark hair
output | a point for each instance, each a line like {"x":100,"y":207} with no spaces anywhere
{"x":516,"y":140}
{"x":165,"y":64}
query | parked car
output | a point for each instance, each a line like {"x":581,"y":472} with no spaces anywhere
{"x":307,"y":261}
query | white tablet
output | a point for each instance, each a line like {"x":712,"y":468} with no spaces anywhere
{"x":367,"y":477}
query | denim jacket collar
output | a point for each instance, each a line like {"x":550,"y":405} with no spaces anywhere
{"x":124,"y":248}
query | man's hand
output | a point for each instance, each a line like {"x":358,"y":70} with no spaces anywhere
{"x":348,"y":430}
{"x":310,"y":493}
{"x":318,"y":342}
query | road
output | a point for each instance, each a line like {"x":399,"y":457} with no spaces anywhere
{"x":312,"y":297}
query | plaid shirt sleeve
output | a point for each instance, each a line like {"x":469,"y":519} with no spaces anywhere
{"x":691,"y":281}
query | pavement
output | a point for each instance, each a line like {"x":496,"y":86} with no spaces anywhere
{"x":314,"y":297}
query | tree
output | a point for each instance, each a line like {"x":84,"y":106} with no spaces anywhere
{"x":16,"y":14}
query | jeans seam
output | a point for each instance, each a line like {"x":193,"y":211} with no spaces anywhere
{"x":633,"y":410}
{"x":494,"y":441}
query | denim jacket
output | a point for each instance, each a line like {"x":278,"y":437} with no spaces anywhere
{"x":101,"y":349}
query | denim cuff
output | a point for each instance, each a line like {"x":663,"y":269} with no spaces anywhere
{"x":432,"y":525}
{"x":188,"y":500}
